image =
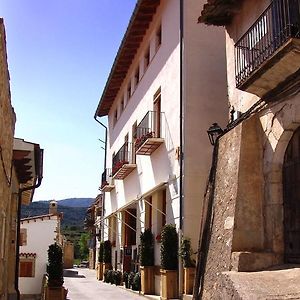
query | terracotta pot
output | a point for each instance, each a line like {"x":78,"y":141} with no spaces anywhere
{"x":147,"y":280}
{"x":169,"y":284}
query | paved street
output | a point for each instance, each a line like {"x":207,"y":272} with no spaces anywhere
{"x":85,"y":286}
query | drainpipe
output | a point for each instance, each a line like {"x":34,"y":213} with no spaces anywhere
{"x":105,"y":145}
{"x":39,"y":181}
{"x":105,"y":150}
{"x":181,"y":157}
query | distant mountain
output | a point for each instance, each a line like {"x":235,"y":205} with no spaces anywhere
{"x":73,"y":209}
{"x":72,"y":202}
{"x":76,"y":202}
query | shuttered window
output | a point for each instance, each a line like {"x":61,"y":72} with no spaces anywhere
{"x":26,"y":267}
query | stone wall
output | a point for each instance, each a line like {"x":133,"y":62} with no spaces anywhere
{"x":220,"y":245}
{"x":237,"y":235}
{"x":7,"y":122}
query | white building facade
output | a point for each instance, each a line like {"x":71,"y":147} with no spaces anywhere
{"x":160,"y":101}
{"x":37,"y":234}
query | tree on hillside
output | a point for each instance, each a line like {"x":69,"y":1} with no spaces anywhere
{"x":83,"y":244}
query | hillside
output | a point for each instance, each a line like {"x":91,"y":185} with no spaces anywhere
{"x":73,"y":209}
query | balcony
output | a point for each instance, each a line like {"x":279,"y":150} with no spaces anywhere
{"x":268,"y":54}
{"x":123,"y":162}
{"x":107,"y":181}
{"x":148,"y":133}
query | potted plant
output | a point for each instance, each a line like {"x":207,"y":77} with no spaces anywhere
{"x":136,"y":284}
{"x":106,"y":256}
{"x":100,"y":261}
{"x":117,"y":277}
{"x":125,"y":279}
{"x":186,"y":253}
{"x":55,"y":290}
{"x":169,"y":262}
{"x":147,"y":262}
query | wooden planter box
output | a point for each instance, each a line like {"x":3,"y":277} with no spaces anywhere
{"x":100,"y":271}
{"x":169,"y":284}
{"x":147,"y":280}
{"x":55,"y":293}
{"x":189,"y":275}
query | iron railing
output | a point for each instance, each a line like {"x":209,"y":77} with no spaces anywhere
{"x":106,"y":178}
{"x":150,"y":125}
{"x":275,"y":26}
{"x":123,"y":156}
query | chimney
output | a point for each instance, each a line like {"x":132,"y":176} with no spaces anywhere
{"x":53,"y":207}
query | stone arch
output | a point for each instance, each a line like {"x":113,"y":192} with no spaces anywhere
{"x":279,"y":124}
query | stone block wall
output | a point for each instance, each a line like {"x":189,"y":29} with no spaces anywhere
{"x":7,"y":123}
{"x":237,"y":236}
{"x":220,"y":245}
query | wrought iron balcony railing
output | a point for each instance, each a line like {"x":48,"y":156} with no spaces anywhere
{"x":123,"y":162}
{"x":275,"y":26}
{"x":149,"y":133}
{"x":107,"y":181}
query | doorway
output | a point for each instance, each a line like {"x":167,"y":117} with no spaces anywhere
{"x":291,"y":199}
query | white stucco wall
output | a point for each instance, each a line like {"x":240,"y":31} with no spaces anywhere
{"x":40,"y":234}
{"x":162,"y":72}
{"x":205,"y":102}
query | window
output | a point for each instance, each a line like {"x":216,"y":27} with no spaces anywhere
{"x":27,"y":266}
{"x":158,"y":37}
{"x":128,"y":91}
{"x":122,"y":104}
{"x":23,"y":237}
{"x":115,"y":117}
{"x":147,"y":58}
{"x":137,"y":77}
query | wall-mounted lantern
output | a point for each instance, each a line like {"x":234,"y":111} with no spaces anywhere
{"x":213,"y":132}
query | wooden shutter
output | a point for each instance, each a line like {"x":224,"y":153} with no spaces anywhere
{"x":26,"y":269}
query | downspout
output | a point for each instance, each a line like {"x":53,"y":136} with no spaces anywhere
{"x":105,"y":144}
{"x":39,"y":181}
{"x":181,"y":157}
{"x":103,"y":194}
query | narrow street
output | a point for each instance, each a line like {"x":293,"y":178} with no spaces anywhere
{"x":85,"y":286}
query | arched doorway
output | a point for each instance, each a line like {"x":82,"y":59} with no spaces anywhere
{"x":291,"y":199}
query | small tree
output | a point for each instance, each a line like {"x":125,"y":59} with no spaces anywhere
{"x":186,"y":253}
{"x":101,"y":252}
{"x":169,"y":247}
{"x":107,"y":252}
{"x":83,"y":243}
{"x":55,"y":266}
{"x":147,"y":248}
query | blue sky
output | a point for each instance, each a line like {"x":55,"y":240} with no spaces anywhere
{"x":60,"y":53}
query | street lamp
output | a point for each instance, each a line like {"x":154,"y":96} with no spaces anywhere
{"x":213,"y":132}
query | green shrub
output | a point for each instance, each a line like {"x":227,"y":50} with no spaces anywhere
{"x":117,"y":277}
{"x":130,"y":279}
{"x":109,"y":276}
{"x":55,"y":266}
{"x":169,"y":247}
{"x":146,"y":248}
{"x":136,"y":284}
{"x":186,"y":253}
{"x":101,"y":252}
{"x":125,"y":279}
{"x":107,"y":252}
